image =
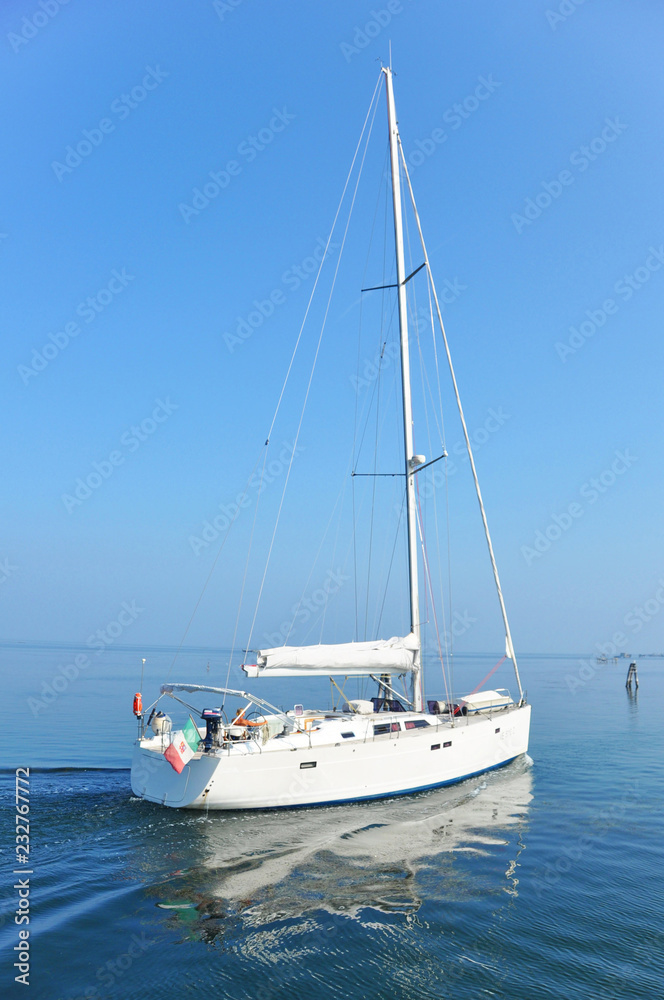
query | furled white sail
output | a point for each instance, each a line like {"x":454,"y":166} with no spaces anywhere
{"x":379,"y":656}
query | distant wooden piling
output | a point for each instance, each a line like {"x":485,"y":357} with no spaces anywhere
{"x":632,"y":676}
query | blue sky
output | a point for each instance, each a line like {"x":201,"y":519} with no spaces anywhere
{"x":534,"y":134}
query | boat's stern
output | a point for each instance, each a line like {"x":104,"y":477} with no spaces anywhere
{"x":153,"y":778}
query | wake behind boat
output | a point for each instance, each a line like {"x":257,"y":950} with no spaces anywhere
{"x":390,"y":744}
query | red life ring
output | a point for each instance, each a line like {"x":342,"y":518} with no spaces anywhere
{"x":138,"y":704}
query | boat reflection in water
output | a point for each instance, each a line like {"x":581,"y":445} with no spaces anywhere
{"x":389,"y":856}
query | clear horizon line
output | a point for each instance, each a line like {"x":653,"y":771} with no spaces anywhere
{"x":63,"y":644}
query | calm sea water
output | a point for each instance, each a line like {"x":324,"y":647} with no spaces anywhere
{"x":542,"y":880}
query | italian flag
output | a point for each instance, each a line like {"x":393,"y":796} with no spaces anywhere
{"x":183,"y":746}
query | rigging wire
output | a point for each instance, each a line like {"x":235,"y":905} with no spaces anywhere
{"x":354,"y":541}
{"x":426,"y":385}
{"x":369,"y":406}
{"x":394,"y":548}
{"x":427,"y":393}
{"x":508,"y":636}
{"x":373,"y":499}
{"x":320,"y":337}
{"x":393,"y":504}
{"x":265,"y":447}
{"x":354,"y":454}
{"x":216,"y":559}
{"x":429,"y":406}
{"x":327,"y":246}
{"x":334,"y":553}
{"x":313,"y":565}
{"x":449,"y":639}
{"x":427,"y":576}
{"x":379,"y":435}
{"x":246,"y":567}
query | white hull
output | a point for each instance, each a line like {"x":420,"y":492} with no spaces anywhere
{"x":251,"y":776}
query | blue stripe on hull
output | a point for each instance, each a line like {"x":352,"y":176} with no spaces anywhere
{"x":392,"y":795}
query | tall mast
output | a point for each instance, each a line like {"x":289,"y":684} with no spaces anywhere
{"x":509,"y":647}
{"x":409,"y":463}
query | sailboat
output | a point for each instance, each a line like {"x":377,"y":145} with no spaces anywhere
{"x":391,"y":744}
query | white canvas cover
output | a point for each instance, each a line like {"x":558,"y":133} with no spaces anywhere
{"x":484,"y":700}
{"x":378,"y":656}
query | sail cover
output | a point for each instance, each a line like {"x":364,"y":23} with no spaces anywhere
{"x":380,"y":656}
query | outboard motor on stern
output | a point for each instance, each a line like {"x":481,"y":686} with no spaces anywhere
{"x":213,"y":723}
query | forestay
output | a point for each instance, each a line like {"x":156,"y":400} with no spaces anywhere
{"x":379,"y":656}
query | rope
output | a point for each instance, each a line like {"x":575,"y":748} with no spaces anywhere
{"x":490,"y":674}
